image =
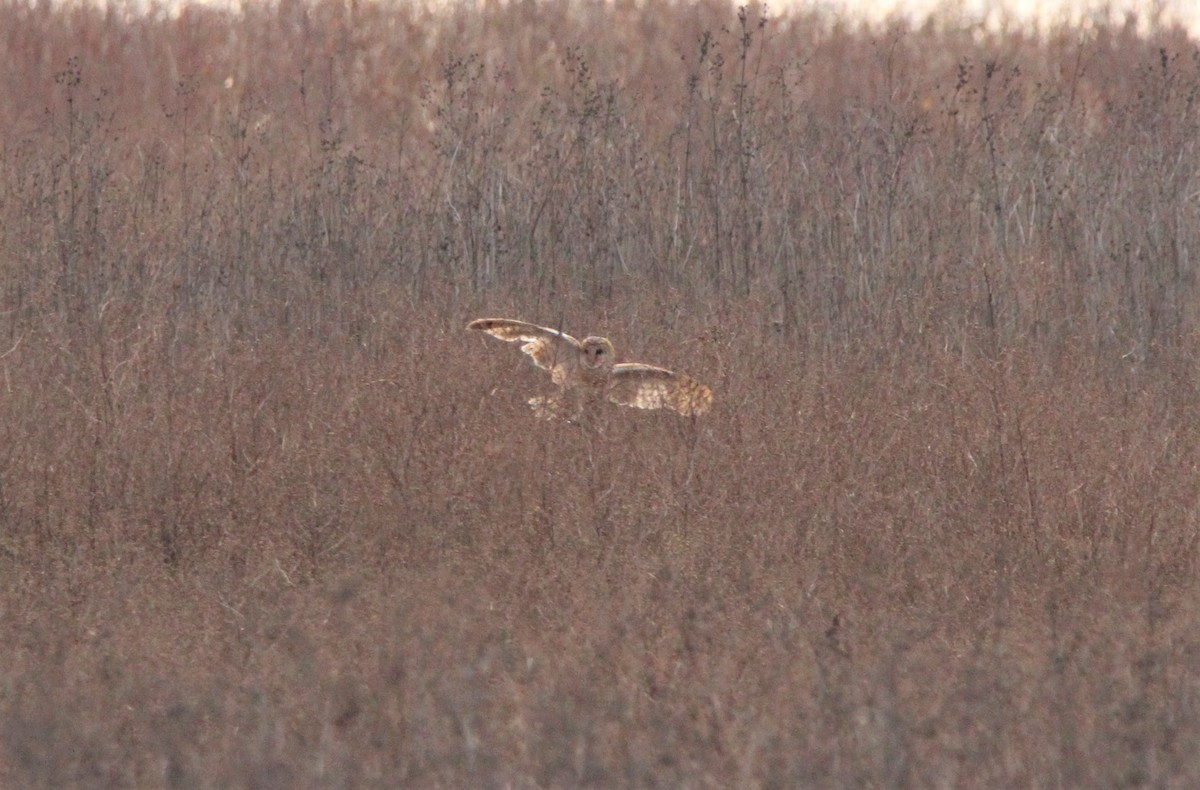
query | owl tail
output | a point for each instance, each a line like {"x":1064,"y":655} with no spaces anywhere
{"x":548,"y":407}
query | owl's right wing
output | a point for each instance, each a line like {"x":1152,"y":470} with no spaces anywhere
{"x":550,"y":349}
{"x":648,"y":387}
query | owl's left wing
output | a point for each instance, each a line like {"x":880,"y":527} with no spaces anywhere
{"x":648,"y":387}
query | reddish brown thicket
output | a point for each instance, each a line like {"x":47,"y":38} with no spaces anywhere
{"x":269,"y":516}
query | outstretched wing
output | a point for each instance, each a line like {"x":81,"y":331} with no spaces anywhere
{"x":555,"y":351}
{"x":648,"y":387}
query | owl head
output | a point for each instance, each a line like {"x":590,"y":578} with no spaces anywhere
{"x":597,"y":353}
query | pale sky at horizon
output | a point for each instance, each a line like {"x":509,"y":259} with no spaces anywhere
{"x":1186,"y":12}
{"x":1046,"y":12}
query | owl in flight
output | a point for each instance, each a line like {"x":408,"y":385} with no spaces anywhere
{"x":586,"y":371}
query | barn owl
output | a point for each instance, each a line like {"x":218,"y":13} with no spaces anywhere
{"x":586,"y":371}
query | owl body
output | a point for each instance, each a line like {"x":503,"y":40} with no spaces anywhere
{"x":587,"y":373}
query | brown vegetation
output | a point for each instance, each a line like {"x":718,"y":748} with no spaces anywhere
{"x":266,"y":518}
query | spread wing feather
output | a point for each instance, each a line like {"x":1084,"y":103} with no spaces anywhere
{"x":550,"y":349}
{"x":648,"y":387}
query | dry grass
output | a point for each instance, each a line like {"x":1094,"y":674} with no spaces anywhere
{"x":270,"y":518}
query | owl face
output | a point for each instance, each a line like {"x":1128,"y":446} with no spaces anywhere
{"x":597,"y":353}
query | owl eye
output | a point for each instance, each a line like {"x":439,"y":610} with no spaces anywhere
{"x":599,"y":351}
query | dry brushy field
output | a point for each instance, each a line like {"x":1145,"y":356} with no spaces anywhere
{"x":270,"y":518}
